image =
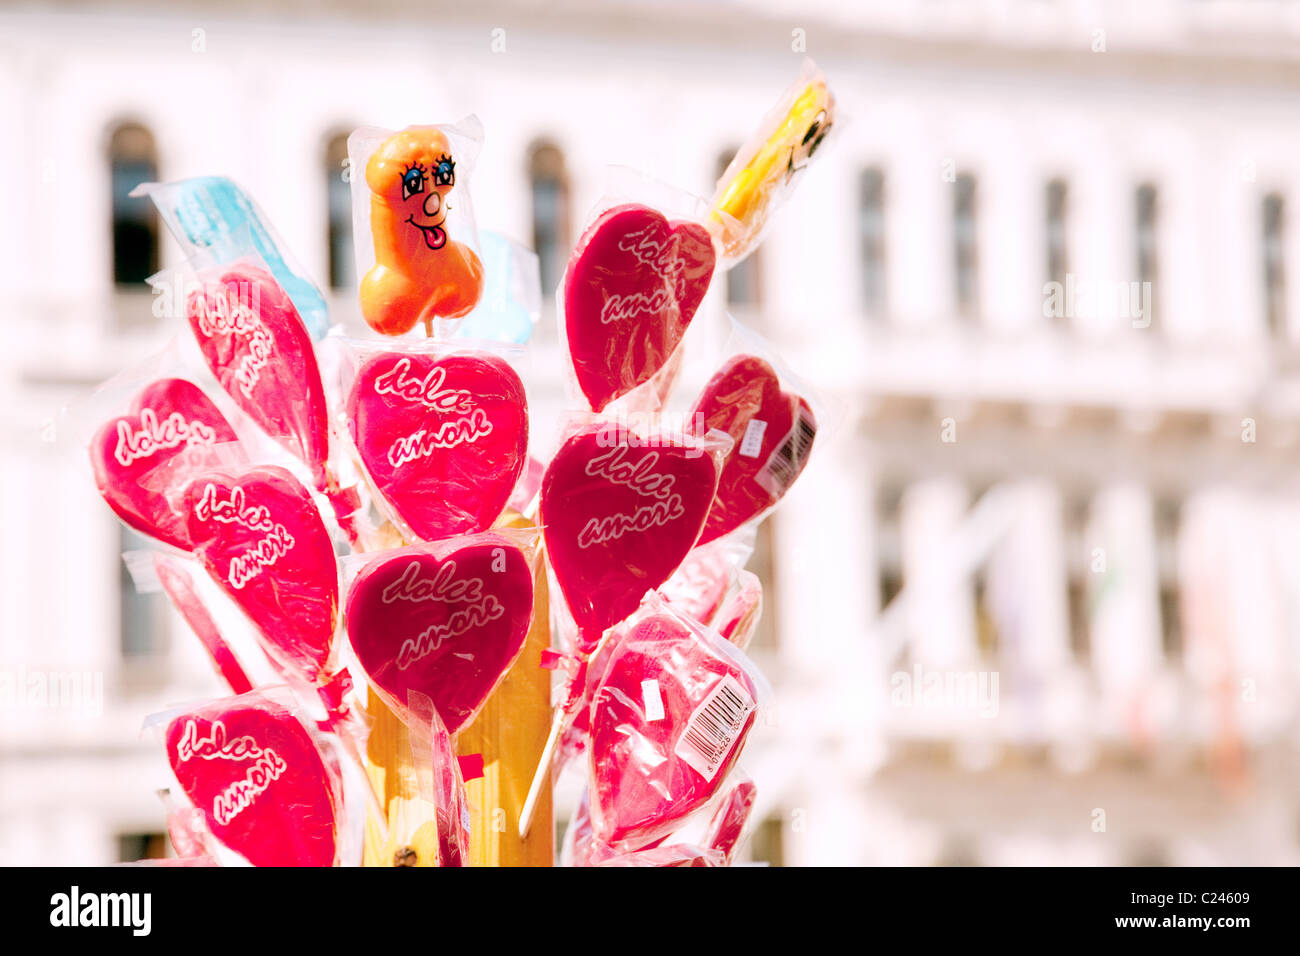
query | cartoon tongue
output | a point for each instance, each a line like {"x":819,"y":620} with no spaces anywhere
{"x":667,"y":723}
{"x":631,"y":288}
{"x":619,"y":519}
{"x":262,"y":540}
{"x":252,"y":769}
{"x":140,"y":456}
{"x":257,"y":346}
{"x":443,"y":439}
{"x":446,"y":620}
{"x":773,"y":433}
{"x":434,"y":237}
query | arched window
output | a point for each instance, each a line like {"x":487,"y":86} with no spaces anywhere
{"x":1056,"y":201}
{"x":871,"y":239}
{"x":132,"y":160}
{"x":338,"y":197}
{"x":1146,"y":202}
{"x":1274,"y":256}
{"x":965,"y":241}
{"x":549,"y":191}
{"x":744,"y":280}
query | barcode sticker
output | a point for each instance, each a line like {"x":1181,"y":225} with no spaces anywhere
{"x":654,"y":703}
{"x":713,"y":729}
{"x":783,"y":465}
{"x":752,"y":443}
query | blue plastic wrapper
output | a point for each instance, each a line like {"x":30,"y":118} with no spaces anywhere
{"x":212,"y":215}
{"x":512,"y":294}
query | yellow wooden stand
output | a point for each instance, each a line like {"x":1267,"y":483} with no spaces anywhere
{"x":510,"y":733}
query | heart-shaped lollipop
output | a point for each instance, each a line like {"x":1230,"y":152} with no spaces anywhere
{"x":773,"y":433}
{"x":257,"y":346}
{"x":618,"y":519}
{"x":134,"y":455}
{"x":668,"y":721}
{"x":262,"y":540}
{"x":446,"y":620}
{"x":631,"y":288}
{"x":443,"y":439}
{"x":252,"y":768}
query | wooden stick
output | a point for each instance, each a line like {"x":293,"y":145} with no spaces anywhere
{"x":511,"y":734}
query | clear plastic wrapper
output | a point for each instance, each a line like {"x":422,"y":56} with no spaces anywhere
{"x":439,"y":431}
{"x":166,"y":431}
{"x":699,"y":587}
{"x":727,"y":825}
{"x":416,"y":241}
{"x":766,"y":170}
{"x":179,"y":587}
{"x":668,"y":722}
{"x":259,"y":535}
{"x":256,"y":773}
{"x":211,"y":215}
{"x":620,"y":510}
{"x":444,"y":620}
{"x":631,"y":288}
{"x":441,"y":782}
{"x":715,"y":845}
{"x":739,"y":614}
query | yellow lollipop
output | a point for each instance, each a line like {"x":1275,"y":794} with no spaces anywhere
{"x":747,"y":189}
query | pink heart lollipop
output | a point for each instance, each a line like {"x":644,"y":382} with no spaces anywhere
{"x":773,"y":433}
{"x":134,"y":455}
{"x":445,"y":620}
{"x":619,"y":519}
{"x":260,"y":351}
{"x":667,"y":723}
{"x":259,"y":535}
{"x":631,"y":289}
{"x":254,"y":771}
{"x":442,"y":439}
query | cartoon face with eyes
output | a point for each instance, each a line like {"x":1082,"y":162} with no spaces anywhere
{"x":424,"y":189}
{"x":420,"y":273}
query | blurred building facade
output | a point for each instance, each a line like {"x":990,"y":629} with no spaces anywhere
{"x":1036,"y":600}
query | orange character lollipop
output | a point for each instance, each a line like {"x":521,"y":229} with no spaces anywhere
{"x":419,"y":273}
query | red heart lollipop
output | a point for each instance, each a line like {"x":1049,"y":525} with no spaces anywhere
{"x":259,"y":535}
{"x":619,"y":519}
{"x":443,"y":439}
{"x":773,"y":433}
{"x":631,"y":289}
{"x":667,"y":723}
{"x":446,"y":620}
{"x":260,"y":351}
{"x":254,"y":771}
{"x":168,"y":418}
